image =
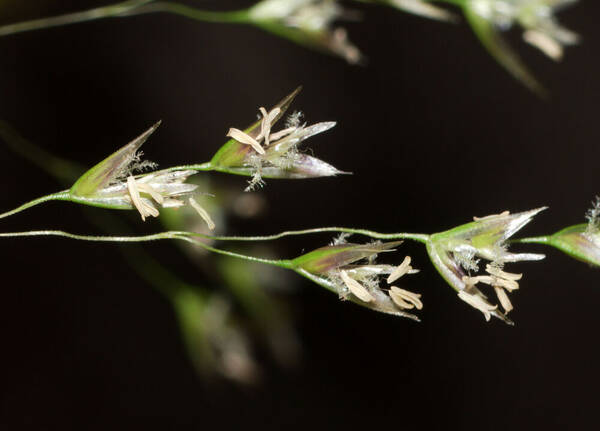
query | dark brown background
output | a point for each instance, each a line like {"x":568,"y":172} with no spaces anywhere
{"x":434,"y":131}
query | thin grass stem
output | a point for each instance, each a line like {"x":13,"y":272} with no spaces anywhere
{"x":423,"y":238}
{"x":113,"y":10}
{"x":60,"y":196}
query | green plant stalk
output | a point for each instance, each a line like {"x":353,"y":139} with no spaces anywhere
{"x":123,"y":9}
{"x":236,"y":16}
{"x":93,"y":238}
{"x":64,"y":195}
{"x":533,"y":240}
{"x":184,"y":236}
{"x":419,"y":237}
{"x":73,"y":18}
{"x":60,"y":196}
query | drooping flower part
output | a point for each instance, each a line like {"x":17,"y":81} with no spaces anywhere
{"x":307,"y":22}
{"x":536,"y":17}
{"x":456,"y":254}
{"x":581,"y":241}
{"x":364,"y":283}
{"x":113,"y":184}
{"x":261,"y":153}
{"x":215,"y":341}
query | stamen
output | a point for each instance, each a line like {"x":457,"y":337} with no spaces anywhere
{"x":507,"y":284}
{"x":478,"y":302}
{"x":401,"y":296}
{"x":544,"y":43}
{"x":278,"y":135}
{"x":494,"y":270}
{"x":143,"y":208}
{"x":401,"y":270}
{"x":472,"y":281}
{"x":503,"y":298}
{"x":244,"y":138}
{"x":146,"y":188}
{"x":203,"y":213}
{"x":356,"y":288}
{"x":265,"y":124}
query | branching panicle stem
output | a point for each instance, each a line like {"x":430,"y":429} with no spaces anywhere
{"x":423,"y":238}
{"x":183,"y":236}
{"x":93,"y":238}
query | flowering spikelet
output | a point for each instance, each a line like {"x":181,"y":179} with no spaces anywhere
{"x":362,"y":282}
{"x":456,"y":254}
{"x":261,"y":152}
{"x":113,"y":183}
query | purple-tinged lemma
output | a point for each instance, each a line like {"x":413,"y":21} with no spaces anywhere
{"x":456,"y":254}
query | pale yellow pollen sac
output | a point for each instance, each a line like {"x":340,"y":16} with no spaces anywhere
{"x":144,"y":209}
{"x":202,"y":213}
{"x":544,"y":43}
{"x":503,"y":298}
{"x":503,"y":279}
{"x":472,"y":281}
{"x":356,"y":288}
{"x":502,"y":214}
{"x":400,"y":270}
{"x":494,"y":270}
{"x":478,"y":302}
{"x":265,"y":124}
{"x":244,"y":138}
{"x":146,"y":188}
{"x":405,"y":299}
{"x":509,"y":285}
{"x":278,"y":135}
